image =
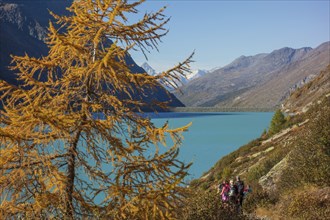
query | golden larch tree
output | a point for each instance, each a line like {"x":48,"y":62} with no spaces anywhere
{"x":73,"y":142}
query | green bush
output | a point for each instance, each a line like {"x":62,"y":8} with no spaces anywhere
{"x":276,"y":123}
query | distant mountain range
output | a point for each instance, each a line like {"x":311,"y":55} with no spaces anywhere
{"x":23,"y":29}
{"x":260,"y":81}
{"x":184,"y":80}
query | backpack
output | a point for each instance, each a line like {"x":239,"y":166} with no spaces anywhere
{"x":220,"y":187}
{"x":233,"y":190}
{"x":240,"y":187}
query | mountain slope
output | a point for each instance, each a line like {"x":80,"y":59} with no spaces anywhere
{"x":272,"y":92}
{"x":23,"y":29}
{"x":289,"y":171}
{"x":300,"y":99}
{"x":260,"y":81}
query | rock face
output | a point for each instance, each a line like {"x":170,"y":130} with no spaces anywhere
{"x":260,"y":81}
{"x":23,"y":29}
{"x":270,"y":180}
{"x":301,"y":98}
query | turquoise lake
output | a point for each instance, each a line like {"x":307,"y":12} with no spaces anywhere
{"x":213,"y":135}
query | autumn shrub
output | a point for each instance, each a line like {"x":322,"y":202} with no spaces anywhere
{"x":258,"y":198}
{"x":293,"y":120}
{"x":205,"y":185}
{"x":194,"y":183}
{"x":255,"y":173}
{"x":306,"y":203}
{"x":207,"y":205}
{"x":272,"y":158}
{"x":210,"y":178}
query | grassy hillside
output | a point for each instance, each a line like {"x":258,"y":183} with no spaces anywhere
{"x":289,"y":171}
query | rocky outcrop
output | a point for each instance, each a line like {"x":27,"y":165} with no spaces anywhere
{"x":269,"y":181}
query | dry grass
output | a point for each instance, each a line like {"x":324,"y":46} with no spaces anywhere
{"x":309,"y":202}
{"x":267,"y":213}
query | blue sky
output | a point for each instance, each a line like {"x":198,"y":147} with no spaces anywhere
{"x":220,"y":31}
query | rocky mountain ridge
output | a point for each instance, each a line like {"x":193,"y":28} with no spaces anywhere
{"x":260,"y":81}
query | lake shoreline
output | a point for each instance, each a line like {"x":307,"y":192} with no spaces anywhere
{"x":220,"y":109}
{"x":212,"y":135}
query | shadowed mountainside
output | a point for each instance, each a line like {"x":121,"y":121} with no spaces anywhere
{"x":23,"y":29}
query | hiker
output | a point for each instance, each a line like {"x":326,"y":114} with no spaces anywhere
{"x":225,"y":191}
{"x":247,"y":190}
{"x":240,"y":188}
{"x":233,"y":193}
{"x":220,"y":186}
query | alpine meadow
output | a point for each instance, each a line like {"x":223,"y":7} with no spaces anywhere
{"x":57,"y":157}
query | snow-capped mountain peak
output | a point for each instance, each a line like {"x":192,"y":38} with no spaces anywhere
{"x":149,"y":69}
{"x":196,"y":74}
{"x":190,"y":76}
